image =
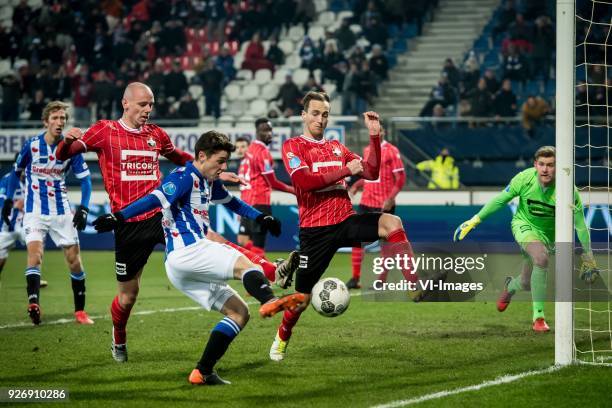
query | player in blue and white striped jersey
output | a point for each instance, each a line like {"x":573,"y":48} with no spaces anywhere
{"x":198,"y":266}
{"x":46,"y":207}
{"x":11,"y":232}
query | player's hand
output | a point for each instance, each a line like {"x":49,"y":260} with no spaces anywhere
{"x":465,"y":228}
{"x":588,"y":270}
{"x":80,"y":217}
{"x":108,"y":222}
{"x":231,"y":177}
{"x":372,"y":122}
{"x":269,"y":223}
{"x":18,"y":204}
{"x":72,"y":135}
{"x":355,"y":166}
{"x":6,"y":210}
{"x":388,"y":204}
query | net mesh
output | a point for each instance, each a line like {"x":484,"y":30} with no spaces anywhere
{"x":592,"y":309}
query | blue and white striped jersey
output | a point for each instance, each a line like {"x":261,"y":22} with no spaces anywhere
{"x":16,"y":216}
{"x":45,"y":175}
{"x":185,"y":196}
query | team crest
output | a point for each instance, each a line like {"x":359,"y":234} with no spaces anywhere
{"x":151,"y":142}
{"x":337,"y":152}
{"x":169,"y":188}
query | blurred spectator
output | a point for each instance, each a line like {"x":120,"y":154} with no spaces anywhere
{"x":333,"y":64}
{"x":11,"y":94}
{"x":345,"y":36}
{"x":284,"y":13}
{"x":364,"y":86}
{"x":157,"y":79}
{"x":444,"y":173}
{"x":103,"y":94}
{"x":437,"y":112}
{"x":172,"y":39}
{"x":22,"y":15}
{"x":188,"y":109}
{"x":533,"y":110}
{"x":504,"y":105}
{"x":348,"y":90}
{"x":480,"y":100}
{"x":305,"y":13}
{"x":309,"y":54}
{"x":60,"y":85}
{"x":82,"y":89}
{"x":543,"y":48}
{"x":521,"y":33}
{"x":443,"y":94}
{"x":290,"y":97}
{"x":491,"y":80}
{"x":376,"y":33}
{"x":101,"y":49}
{"x":506,"y":17}
{"x":515,"y":65}
{"x":452,"y":72}
{"x":379,"y":63}
{"x":311,"y":85}
{"x":357,"y":55}
{"x":275,"y":55}
{"x":225,"y":62}
{"x":51,"y":52}
{"x":254,"y":58}
{"x":37,"y":105}
{"x":372,"y":11}
{"x":216,"y":14}
{"x":212,"y":79}
{"x":470,"y":75}
{"x":175,"y":82}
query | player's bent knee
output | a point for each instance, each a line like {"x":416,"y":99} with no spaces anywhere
{"x":541,"y":260}
{"x":389,"y":223}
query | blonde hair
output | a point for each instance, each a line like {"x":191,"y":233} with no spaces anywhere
{"x":545,"y":151}
{"x":52,"y":107}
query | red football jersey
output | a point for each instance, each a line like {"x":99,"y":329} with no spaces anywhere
{"x":330,"y":205}
{"x":129,"y":160}
{"x":375,"y":192}
{"x":257,"y":161}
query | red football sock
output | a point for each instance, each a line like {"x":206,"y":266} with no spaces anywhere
{"x":268,"y":267}
{"x":259,"y":251}
{"x":290,"y":318}
{"x":120,"y":317}
{"x":397,"y":243}
{"x":356,"y":258}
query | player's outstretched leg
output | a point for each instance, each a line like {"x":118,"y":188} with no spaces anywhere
{"x":278,"y":350}
{"x":511,"y":286}
{"x":356,"y":259}
{"x":538,"y":254}
{"x":283,"y":276}
{"x":120,"y":315}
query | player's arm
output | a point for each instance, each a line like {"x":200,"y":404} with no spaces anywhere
{"x":588,"y":270}
{"x":71,"y":145}
{"x":371,"y":166}
{"x":276,"y":184}
{"x":399,"y":179}
{"x":357,"y":186}
{"x":12,"y":183}
{"x":495,"y":204}
{"x":81,"y":171}
{"x":220,"y":195}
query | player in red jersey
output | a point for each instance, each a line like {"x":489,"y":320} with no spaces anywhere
{"x":257,"y":169}
{"x":129,"y":150}
{"x":318,"y":168}
{"x":378,"y":195}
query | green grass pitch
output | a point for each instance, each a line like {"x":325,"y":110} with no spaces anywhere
{"x":375,"y":353}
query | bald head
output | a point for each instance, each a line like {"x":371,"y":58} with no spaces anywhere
{"x":135,"y":89}
{"x":137,"y":104}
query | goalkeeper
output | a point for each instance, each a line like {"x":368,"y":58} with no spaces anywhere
{"x":533,"y":227}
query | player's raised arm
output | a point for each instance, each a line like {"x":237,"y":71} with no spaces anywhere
{"x":496,"y":203}
{"x":276,"y":184}
{"x":371,"y":166}
{"x":71,"y":144}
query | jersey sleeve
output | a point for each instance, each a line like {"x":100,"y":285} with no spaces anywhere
{"x":349,"y":155}
{"x":292,"y":158}
{"x":512,"y":190}
{"x":24,"y":158}
{"x":79,"y":166}
{"x":173,"y":188}
{"x":166,"y":146}
{"x":95,"y":137}
{"x":266,"y":162}
{"x":219,"y":194}
{"x":395,"y":161}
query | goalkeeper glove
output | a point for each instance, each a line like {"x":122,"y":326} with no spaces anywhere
{"x":269,"y":223}
{"x":80,"y":217}
{"x":108,"y":222}
{"x":6,"y":210}
{"x":588,"y":270}
{"x":465,"y":228}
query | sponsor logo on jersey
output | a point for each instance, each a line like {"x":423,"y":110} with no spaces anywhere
{"x":169,"y":188}
{"x":138,"y":165}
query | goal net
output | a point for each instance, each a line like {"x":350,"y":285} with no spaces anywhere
{"x":591,"y":306}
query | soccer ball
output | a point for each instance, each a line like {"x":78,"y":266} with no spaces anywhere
{"x":330,"y":297}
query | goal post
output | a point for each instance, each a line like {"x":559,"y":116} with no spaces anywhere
{"x":564,"y":176}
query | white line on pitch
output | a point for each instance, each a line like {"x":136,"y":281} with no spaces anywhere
{"x":138,"y":313}
{"x":505,"y":379}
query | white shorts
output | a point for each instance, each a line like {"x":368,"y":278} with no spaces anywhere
{"x":59,"y":227}
{"x":8,"y":241}
{"x":201,"y":271}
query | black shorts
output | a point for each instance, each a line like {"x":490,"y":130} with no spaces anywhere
{"x":363,"y":209}
{"x":253,"y":229}
{"x":134,"y":242}
{"x":319,"y":244}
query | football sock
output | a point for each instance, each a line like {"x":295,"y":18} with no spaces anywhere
{"x":538,"y":291}
{"x":220,"y":338}
{"x":397,"y":243}
{"x":78,"y":290}
{"x":515,"y":285}
{"x":356,"y":258}
{"x":120,"y":317}
{"x":258,"y":251}
{"x":33,"y":279}
{"x":268,"y":267}
{"x":257,"y":285}
{"x":290,"y":319}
